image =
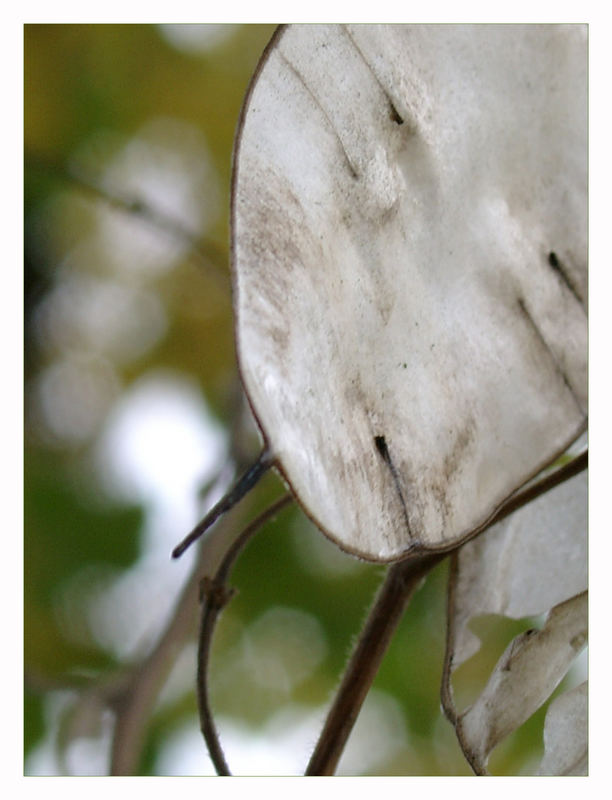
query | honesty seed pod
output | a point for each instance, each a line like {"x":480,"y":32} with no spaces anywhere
{"x":409,"y":236}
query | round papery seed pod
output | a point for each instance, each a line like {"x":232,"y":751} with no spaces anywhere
{"x":409,"y":236}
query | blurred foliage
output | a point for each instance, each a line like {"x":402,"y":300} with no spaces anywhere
{"x":94,"y":96}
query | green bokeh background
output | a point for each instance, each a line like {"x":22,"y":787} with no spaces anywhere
{"x":102,"y":83}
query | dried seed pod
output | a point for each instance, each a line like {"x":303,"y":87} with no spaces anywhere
{"x":409,"y":230}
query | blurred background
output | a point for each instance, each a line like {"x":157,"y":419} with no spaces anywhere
{"x":134,"y":423}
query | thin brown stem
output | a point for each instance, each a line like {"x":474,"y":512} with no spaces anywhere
{"x":205,"y":252}
{"x":545,"y":484}
{"x":401,"y":582}
{"x":138,"y":689}
{"x":446,"y":689}
{"x":135,"y":699}
{"x":215,"y":595}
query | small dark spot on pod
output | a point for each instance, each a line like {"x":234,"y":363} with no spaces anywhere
{"x":381,"y":446}
{"x":394,"y":114}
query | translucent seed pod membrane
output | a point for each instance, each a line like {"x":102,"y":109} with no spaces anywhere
{"x":409,"y":237}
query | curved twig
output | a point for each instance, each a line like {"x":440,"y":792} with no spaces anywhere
{"x":137,"y":689}
{"x":214,"y":596}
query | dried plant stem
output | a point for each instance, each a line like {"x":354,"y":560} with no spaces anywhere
{"x":539,"y":487}
{"x":239,"y":489}
{"x":215,"y":595}
{"x":135,"y":700}
{"x":401,"y":582}
{"x":135,"y":695}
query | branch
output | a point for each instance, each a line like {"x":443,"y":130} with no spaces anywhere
{"x":136,"y":697}
{"x":134,"y":702}
{"x":215,"y":596}
{"x":524,"y":496}
{"x":401,"y":582}
{"x":204,"y":251}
